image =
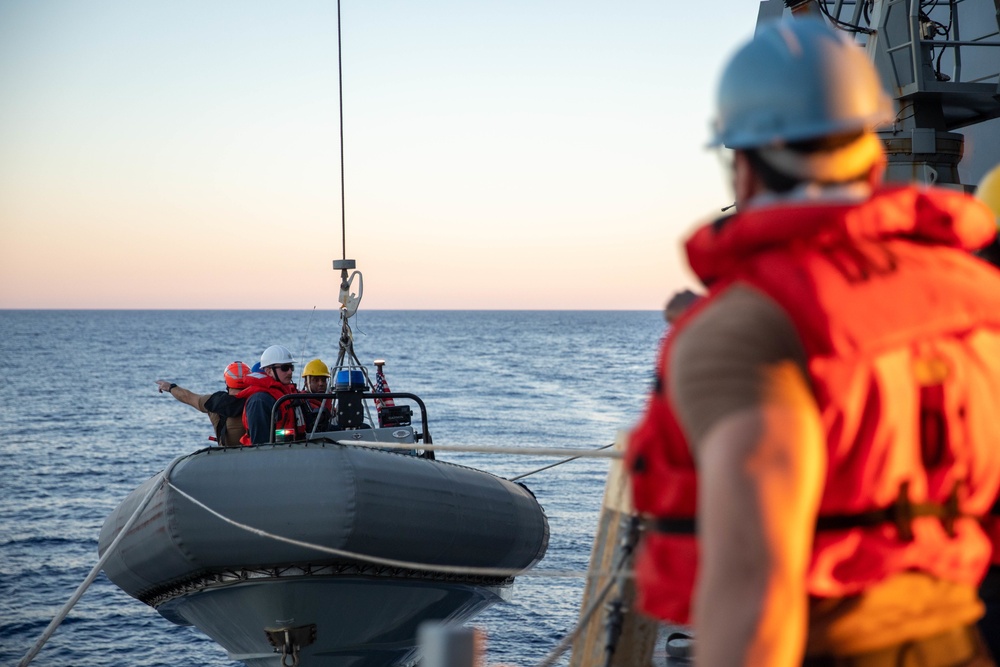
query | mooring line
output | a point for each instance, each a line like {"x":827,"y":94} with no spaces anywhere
{"x":598,"y":453}
{"x":82,"y":588}
{"x":557,"y":463}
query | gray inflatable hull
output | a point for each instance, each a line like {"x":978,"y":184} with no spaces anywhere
{"x":236,"y":586}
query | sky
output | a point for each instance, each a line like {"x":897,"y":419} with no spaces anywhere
{"x":514,"y":154}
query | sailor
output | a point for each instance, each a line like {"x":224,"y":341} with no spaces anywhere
{"x":988,"y":191}
{"x":262,"y":392}
{"x":223,"y":408}
{"x":316,"y":380}
{"x":814,"y":464}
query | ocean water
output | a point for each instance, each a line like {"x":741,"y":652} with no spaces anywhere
{"x":82,"y":424}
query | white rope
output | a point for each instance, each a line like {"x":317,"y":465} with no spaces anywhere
{"x":564,"y":644}
{"x":81,"y":589}
{"x":491,"y":449}
{"x":552,"y":465}
{"x":390,"y":562}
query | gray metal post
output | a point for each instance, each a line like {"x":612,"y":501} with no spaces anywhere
{"x":447,"y":645}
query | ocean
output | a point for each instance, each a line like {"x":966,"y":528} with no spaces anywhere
{"x":82,"y":424}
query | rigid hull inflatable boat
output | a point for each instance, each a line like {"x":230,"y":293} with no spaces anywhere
{"x":269,"y":601}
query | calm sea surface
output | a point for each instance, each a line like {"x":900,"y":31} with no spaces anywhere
{"x":81,"y":425}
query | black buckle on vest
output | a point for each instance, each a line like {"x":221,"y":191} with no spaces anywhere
{"x":900,"y":514}
{"x":670,"y":525}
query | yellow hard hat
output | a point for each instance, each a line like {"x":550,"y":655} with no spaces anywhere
{"x":988,"y":191}
{"x":315,"y":368}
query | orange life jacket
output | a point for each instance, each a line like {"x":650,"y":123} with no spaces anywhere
{"x":901,"y":327}
{"x":289,"y":415}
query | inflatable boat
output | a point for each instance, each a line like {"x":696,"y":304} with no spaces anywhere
{"x":424,"y":531}
{"x":331,"y":549}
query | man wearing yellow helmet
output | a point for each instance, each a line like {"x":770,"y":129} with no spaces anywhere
{"x":315,"y":377}
{"x":316,"y":380}
{"x":988,"y":192}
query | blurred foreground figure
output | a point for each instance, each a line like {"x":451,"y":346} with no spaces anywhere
{"x":988,"y":191}
{"x":823,"y":439}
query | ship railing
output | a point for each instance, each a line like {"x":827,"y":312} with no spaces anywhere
{"x":425,"y":435}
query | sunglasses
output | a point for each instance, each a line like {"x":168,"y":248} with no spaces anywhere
{"x":285,"y":367}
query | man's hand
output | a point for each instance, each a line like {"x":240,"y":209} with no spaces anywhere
{"x":679,"y":303}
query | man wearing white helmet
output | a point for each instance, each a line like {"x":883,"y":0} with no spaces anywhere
{"x":262,"y":392}
{"x":821,"y":442}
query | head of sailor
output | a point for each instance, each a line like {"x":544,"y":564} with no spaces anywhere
{"x":811,"y":127}
{"x":277,"y":362}
{"x":316,"y":377}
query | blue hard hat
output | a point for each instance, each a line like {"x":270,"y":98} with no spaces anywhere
{"x":797,"y":79}
{"x":255,"y":368}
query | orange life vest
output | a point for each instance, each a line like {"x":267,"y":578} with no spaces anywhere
{"x":901,"y":327}
{"x":289,"y":415}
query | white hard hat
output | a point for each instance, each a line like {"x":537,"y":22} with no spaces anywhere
{"x":276,"y":354}
{"x":798,"y":79}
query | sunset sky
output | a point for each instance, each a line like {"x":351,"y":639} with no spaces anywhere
{"x":538,"y":154}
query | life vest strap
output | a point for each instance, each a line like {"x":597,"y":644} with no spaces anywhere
{"x":900,"y":513}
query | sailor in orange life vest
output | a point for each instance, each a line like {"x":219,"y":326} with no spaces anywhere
{"x":988,"y":191}
{"x":263,"y":390}
{"x":223,"y":408}
{"x":822,"y":441}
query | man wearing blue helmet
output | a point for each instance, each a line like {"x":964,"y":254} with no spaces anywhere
{"x":821,"y":444}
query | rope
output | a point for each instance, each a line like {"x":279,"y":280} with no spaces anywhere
{"x":557,"y":463}
{"x":493,"y":449}
{"x":390,"y":562}
{"x":616,"y":576}
{"x":81,"y":589}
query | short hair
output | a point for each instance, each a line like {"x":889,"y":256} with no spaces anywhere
{"x":785,"y":167}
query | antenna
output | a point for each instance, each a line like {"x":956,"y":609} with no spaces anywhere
{"x":340,"y":98}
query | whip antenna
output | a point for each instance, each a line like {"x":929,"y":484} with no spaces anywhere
{"x":348,"y":301}
{"x":340,"y":99}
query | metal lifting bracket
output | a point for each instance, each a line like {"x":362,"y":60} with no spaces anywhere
{"x":289,"y":641}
